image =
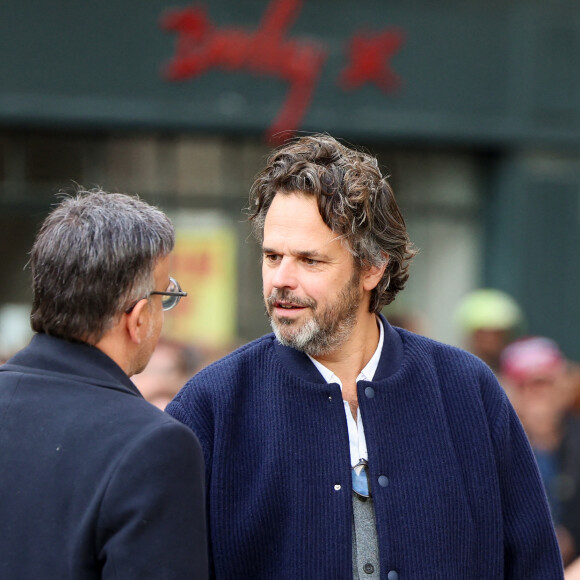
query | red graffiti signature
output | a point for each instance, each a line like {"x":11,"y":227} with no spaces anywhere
{"x":267,"y":51}
{"x":370,"y":60}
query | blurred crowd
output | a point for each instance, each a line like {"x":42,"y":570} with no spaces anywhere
{"x":172,"y":364}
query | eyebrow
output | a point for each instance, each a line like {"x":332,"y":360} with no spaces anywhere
{"x":312,"y":254}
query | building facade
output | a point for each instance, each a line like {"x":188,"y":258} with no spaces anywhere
{"x":473,"y":108}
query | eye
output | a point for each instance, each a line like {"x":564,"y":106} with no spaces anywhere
{"x":311,"y":261}
{"x":272,"y":258}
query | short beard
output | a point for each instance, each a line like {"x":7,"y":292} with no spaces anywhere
{"x":325,"y":331}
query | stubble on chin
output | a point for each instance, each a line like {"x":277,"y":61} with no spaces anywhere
{"x":325,"y":330}
{"x":299,"y":337}
{"x":312,"y":337}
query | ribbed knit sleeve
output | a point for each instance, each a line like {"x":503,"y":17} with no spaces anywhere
{"x":531,"y":548}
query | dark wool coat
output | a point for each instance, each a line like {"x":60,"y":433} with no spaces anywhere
{"x":96,"y":482}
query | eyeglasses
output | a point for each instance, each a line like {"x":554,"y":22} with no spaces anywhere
{"x":360,"y":479}
{"x":170,"y":299}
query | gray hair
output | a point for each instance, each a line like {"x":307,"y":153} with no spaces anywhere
{"x":94,"y":253}
{"x":354,"y":199}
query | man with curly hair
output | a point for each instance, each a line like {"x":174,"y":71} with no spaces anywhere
{"x":339,"y":446}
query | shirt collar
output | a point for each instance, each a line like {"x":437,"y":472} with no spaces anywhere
{"x":368,"y":372}
{"x":52,"y":354}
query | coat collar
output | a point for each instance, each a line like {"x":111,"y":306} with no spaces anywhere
{"x":52,"y":355}
{"x":391,"y":357}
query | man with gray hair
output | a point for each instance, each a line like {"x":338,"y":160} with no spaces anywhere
{"x":339,"y":446}
{"x":96,"y":482}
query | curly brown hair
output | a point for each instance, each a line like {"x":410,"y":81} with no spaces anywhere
{"x":354,"y":199}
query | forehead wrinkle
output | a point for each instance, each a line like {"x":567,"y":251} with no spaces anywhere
{"x":320,"y":251}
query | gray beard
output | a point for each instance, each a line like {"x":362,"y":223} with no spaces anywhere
{"x":324,"y":332}
{"x":312,"y":339}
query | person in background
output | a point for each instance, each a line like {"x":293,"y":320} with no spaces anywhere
{"x":170,"y":366}
{"x":96,"y":482}
{"x":489,"y":319}
{"x":339,"y":446}
{"x":542,"y":393}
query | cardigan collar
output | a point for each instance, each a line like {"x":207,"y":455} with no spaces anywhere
{"x":50,"y":354}
{"x":299,"y":364}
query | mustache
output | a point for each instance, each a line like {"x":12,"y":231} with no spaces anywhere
{"x":284,"y":295}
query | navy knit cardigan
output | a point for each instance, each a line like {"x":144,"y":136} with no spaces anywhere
{"x":456,"y":489}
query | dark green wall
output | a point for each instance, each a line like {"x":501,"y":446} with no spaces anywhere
{"x":477,"y":71}
{"x":533,"y":242}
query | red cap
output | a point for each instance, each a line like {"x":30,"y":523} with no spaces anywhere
{"x":530,"y":357}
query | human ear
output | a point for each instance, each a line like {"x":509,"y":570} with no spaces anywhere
{"x":372,"y":275}
{"x":137,"y":321}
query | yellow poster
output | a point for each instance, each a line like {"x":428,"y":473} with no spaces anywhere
{"x":204,"y":263}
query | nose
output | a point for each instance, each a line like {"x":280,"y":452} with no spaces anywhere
{"x":284,"y":274}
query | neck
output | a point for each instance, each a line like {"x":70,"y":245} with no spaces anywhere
{"x":115,"y":349}
{"x":349,"y":359}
